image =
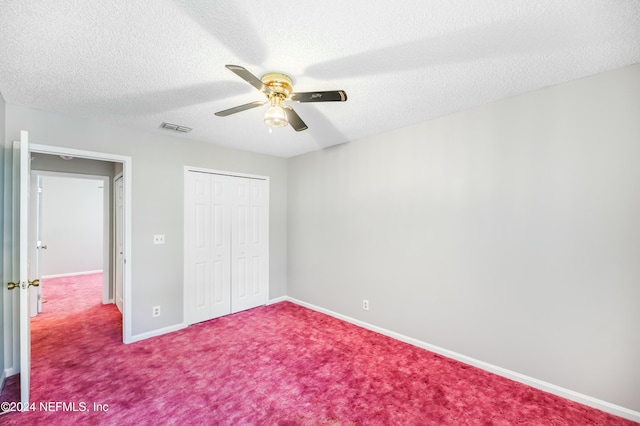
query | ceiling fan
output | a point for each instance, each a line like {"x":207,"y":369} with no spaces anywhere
{"x":278,"y":88}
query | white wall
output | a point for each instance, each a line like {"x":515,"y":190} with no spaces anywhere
{"x":157,"y":207}
{"x":72,"y":225}
{"x":509,"y":233}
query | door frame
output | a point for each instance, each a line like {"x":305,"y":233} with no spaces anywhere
{"x":35,"y":202}
{"x":187,"y":169}
{"x":113,"y":233}
{"x":127,"y":164}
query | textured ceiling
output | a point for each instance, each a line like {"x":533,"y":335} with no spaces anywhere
{"x":139,"y":63}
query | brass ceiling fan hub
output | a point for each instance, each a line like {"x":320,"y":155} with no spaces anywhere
{"x":280,"y":84}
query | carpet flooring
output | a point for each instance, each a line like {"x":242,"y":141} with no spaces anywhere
{"x":275,"y":365}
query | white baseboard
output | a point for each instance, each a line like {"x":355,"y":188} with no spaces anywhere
{"x":154,"y":333}
{"x":161,"y":331}
{"x":73,"y":274}
{"x":278,"y":300}
{"x":8,"y":372}
{"x":530,"y":381}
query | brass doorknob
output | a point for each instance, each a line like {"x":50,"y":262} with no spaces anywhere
{"x":11,"y":286}
{"x":34,"y":283}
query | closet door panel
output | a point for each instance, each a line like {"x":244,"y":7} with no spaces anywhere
{"x":221,"y":246}
{"x":198,"y":247}
{"x":249,"y":245}
{"x":226,"y":252}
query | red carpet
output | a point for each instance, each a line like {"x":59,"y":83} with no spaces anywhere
{"x":277,"y":365}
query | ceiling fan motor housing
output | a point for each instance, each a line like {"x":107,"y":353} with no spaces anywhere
{"x":280,"y":85}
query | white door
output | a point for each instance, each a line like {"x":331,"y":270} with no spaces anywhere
{"x":226,"y":244}
{"x":220,"y":242}
{"x":118,"y":241}
{"x":207,"y":246}
{"x":23,"y":254}
{"x":249,"y":231}
{"x":198,"y":248}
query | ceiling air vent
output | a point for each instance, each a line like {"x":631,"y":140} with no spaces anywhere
{"x":175,"y":127}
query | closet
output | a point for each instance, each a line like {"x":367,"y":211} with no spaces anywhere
{"x":226,"y":243}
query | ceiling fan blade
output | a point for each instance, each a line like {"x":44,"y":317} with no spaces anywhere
{"x":295,"y":120}
{"x":249,"y":78}
{"x":329,"y":96}
{"x":240,"y":108}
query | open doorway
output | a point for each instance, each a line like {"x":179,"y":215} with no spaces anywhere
{"x":111,"y":166}
{"x":71,"y":220}
{"x":70,"y":229}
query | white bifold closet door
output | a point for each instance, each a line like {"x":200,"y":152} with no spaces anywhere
{"x":226,"y":253}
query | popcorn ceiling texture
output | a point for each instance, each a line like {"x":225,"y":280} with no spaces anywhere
{"x":137,"y":64}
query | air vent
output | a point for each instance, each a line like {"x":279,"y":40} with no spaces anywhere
{"x":175,"y":127}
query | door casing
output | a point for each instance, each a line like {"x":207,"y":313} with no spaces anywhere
{"x":127,"y":164}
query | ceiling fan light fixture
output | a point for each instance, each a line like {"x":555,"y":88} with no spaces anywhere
{"x":275,"y":116}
